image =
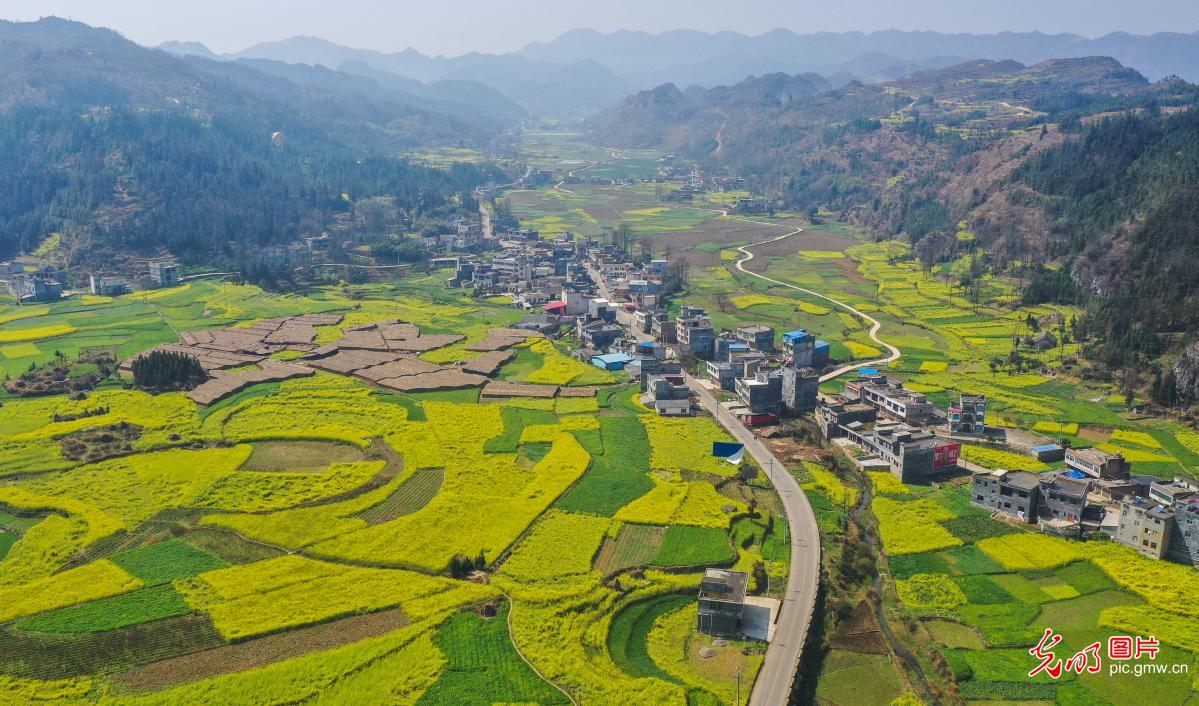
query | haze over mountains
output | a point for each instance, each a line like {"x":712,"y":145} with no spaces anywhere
{"x":583,"y":70}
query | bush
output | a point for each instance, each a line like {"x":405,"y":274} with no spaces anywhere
{"x":972,"y":529}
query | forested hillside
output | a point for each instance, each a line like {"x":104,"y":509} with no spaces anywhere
{"x":1079,"y":164}
{"x":117,"y":147}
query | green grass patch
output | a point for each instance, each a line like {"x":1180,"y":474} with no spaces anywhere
{"x":905,"y":566}
{"x":163,"y":562}
{"x":617,"y":477}
{"x":969,"y":560}
{"x":1005,"y":691}
{"x":853,"y":678}
{"x":515,"y":421}
{"x":7,"y":539}
{"x":981,"y":590}
{"x":629,"y":629}
{"x":691,"y":546}
{"x":141,"y":606}
{"x":483,"y":667}
{"x":954,"y":635}
{"x":973,"y":528}
{"x":1022,"y":589}
{"x":1085,"y":577}
{"x":830,"y":517}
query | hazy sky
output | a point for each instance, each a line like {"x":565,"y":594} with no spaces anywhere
{"x":457,"y":26}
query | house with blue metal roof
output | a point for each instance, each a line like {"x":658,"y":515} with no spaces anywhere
{"x":612,"y":361}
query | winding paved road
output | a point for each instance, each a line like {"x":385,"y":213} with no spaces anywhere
{"x":874,"y":323}
{"x":777,"y":675}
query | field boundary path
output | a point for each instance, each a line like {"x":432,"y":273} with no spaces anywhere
{"x":875,"y":324}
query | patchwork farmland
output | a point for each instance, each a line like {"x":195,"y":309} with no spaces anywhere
{"x":346,"y":528}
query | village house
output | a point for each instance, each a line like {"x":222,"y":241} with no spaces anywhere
{"x":804,"y":350}
{"x":909,"y":452}
{"x":105,"y":286}
{"x":1098,"y":464}
{"x":693,"y":327}
{"x":833,"y":416}
{"x":759,"y":336}
{"x":969,"y":415}
{"x":891,"y":399}
{"x":721,"y":602}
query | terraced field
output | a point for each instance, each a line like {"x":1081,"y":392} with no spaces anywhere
{"x":305,"y":538}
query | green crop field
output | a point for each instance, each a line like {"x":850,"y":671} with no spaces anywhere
{"x":325,"y":504}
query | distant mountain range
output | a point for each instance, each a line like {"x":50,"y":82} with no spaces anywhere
{"x":1078,"y":163}
{"x":584,"y":71}
{"x":565,"y":88}
{"x":685,"y":57}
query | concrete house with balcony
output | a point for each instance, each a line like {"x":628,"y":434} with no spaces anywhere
{"x":693,"y":328}
{"x":759,"y":336}
{"x":722,"y":602}
{"x":1012,"y":493}
{"x":969,"y":415}
{"x":908,"y":451}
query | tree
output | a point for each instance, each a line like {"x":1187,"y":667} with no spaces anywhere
{"x":167,"y":370}
{"x":622,"y":237}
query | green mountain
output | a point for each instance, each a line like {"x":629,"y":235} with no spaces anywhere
{"x":1080,"y":165}
{"x":121,"y":148}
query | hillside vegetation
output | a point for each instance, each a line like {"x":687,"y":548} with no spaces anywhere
{"x":119,"y":147}
{"x":1079,"y":165}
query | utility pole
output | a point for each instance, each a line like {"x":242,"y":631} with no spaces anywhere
{"x":738,"y":686}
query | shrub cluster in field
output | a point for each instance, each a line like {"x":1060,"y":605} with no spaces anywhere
{"x":935,"y":591}
{"x":1055,"y":428}
{"x":1170,"y":628}
{"x":325,"y":406}
{"x":912,"y":527}
{"x":255,"y":491}
{"x":997,"y":458}
{"x":557,"y":368}
{"x":886,"y":483}
{"x":540,"y":556}
{"x":1027,"y":550}
{"x":680,"y":444}
{"x":484,"y":504}
{"x":827,"y":482}
{"x":99,"y":579}
{"x":120,"y":493}
{"x":563,"y":629}
{"x":681,"y":503}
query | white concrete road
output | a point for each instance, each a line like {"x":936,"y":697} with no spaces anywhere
{"x":773,"y":685}
{"x":777,"y":675}
{"x":893,"y":352}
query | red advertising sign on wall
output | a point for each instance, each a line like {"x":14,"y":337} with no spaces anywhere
{"x":946,"y":455}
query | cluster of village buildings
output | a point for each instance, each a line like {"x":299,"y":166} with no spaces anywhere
{"x":47,"y":284}
{"x":613,"y":308}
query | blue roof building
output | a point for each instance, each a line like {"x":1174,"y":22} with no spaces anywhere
{"x":797,"y":336}
{"x":612,"y":361}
